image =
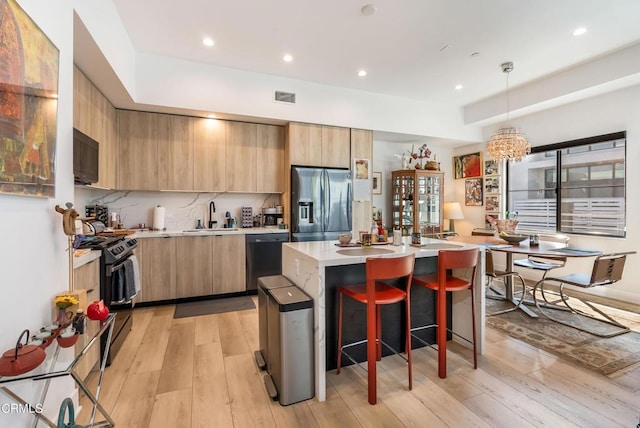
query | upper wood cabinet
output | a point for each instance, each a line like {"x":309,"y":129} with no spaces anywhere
{"x":336,"y":147}
{"x":270,"y":169}
{"x":137,"y":150}
{"x":94,"y":116}
{"x":318,"y":145}
{"x":242,"y":157}
{"x":209,"y":155}
{"x":175,"y":152}
{"x":303,"y":142}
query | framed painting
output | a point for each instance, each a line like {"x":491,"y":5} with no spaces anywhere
{"x":28,"y":105}
{"x":492,"y":203}
{"x":467,"y":166}
{"x":473,"y":192}
{"x":376,"y":183}
{"x":492,"y":184}
{"x":491,"y":167}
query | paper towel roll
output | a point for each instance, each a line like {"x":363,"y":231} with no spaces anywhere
{"x":158,"y":218}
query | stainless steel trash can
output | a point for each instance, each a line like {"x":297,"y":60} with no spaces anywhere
{"x":290,"y":350}
{"x":265,"y":284}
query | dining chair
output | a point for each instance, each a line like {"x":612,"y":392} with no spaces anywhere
{"x":442,"y":282}
{"x":607,"y":270}
{"x":375,"y":293}
{"x":491,"y":273}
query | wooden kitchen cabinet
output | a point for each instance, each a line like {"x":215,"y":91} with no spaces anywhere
{"x":137,"y":150}
{"x":229,"y":274}
{"x":270,"y":167}
{"x":209,"y":155}
{"x":87,"y":277}
{"x":318,"y":145}
{"x":175,"y":152}
{"x":303,"y":141}
{"x":93,"y":115}
{"x":157,"y":268}
{"x":241,"y":155}
{"x":336,"y":147}
{"x":194,"y":261}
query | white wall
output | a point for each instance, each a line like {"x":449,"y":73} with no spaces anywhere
{"x":33,"y":255}
{"x":604,"y":114}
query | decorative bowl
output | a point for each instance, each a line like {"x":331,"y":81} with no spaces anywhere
{"x":344,"y":238}
{"x":66,"y":340}
{"x":513,"y":239}
{"x":508,"y":226}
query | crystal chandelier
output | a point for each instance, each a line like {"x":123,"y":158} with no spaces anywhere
{"x":508,"y":143}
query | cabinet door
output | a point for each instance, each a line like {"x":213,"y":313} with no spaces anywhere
{"x":158,"y":268}
{"x":362,"y":148}
{"x":137,"y":150}
{"x":175,"y":152}
{"x":304,"y":144}
{"x":193,"y":260}
{"x":209,"y":161}
{"x":88,"y":277}
{"x":241,"y":155}
{"x":336,"y":147}
{"x":270,"y":168}
{"x":229,"y":275}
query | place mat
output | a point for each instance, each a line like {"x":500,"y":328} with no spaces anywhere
{"x":215,"y":306}
{"x":577,"y":251}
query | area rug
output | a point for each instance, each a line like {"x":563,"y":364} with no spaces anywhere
{"x":216,"y":306}
{"x":603,"y":355}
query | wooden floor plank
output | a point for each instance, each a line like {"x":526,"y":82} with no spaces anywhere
{"x":231,"y":336}
{"x":177,"y":367}
{"x":207,"y":329}
{"x":150,"y":354}
{"x":172,"y":409}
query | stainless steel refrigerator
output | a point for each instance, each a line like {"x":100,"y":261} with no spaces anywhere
{"x":320,"y":203}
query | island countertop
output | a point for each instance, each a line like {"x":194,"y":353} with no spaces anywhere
{"x":313,"y":266}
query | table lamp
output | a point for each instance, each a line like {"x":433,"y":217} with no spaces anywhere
{"x":452,"y":211}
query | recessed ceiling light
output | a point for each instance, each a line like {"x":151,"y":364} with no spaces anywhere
{"x":458,"y":87}
{"x":208,"y":41}
{"x":211,"y":116}
{"x":579,"y":31}
{"x":362,"y":73}
{"x":368,"y":10}
{"x":287,"y":58}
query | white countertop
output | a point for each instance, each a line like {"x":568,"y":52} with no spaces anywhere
{"x":212,"y":232}
{"x":81,"y":258}
{"x":326,"y":252}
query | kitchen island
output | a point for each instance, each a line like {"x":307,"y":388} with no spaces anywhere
{"x":319,"y":268}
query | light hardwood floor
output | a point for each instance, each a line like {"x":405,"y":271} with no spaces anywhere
{"x":200,"y":372}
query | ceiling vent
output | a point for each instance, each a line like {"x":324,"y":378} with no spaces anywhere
{"x":284,"y":97}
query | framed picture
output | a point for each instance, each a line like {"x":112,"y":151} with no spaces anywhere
{"x":491,"y":167}
{"x":467,"y":166}
{"x":473,"y":192}
{"x":492,"y":184}
{"x":492,"y":203}
{"x":28,"y":111}
{"x":376,"y":183}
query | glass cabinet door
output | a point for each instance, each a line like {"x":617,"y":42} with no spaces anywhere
{"x":417,"y":201}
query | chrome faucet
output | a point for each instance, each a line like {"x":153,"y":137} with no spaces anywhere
{"x":212,"y":210}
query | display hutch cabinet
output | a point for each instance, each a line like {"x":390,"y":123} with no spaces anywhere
{"x":417,"y":201}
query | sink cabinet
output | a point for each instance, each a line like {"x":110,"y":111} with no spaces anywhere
{"x":416,"y":198}
{"x":191,"y":266}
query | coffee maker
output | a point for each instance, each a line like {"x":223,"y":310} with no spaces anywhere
{"x":271,"y":217}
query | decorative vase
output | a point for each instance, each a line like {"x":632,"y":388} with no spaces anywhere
{"x":64,"y":317}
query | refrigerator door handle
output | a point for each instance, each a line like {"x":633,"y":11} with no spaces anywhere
{"x":326,"y":197}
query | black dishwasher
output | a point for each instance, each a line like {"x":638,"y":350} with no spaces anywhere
{"x":264,"y":256}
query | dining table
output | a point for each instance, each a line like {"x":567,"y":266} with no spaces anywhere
{"x":544,"y":248}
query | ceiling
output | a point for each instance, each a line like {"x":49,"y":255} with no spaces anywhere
{"x":415,"y":49}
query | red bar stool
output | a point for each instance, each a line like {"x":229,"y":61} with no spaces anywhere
{"x":375,"y":293}
{"x":442,"y":282}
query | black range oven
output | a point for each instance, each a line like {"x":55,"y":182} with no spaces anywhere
{"x":117,"y":253}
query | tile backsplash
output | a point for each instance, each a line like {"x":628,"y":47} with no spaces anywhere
{"x":182,"y":209}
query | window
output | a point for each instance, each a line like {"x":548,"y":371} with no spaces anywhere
{"x":571,"y":187}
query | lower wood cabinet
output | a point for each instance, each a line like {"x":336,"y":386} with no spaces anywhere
{"x":87,"y":277}
{"x":191,"y":266}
